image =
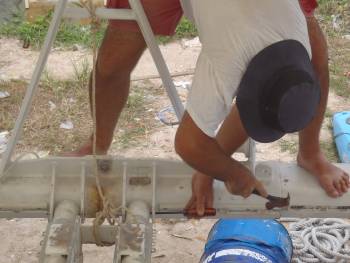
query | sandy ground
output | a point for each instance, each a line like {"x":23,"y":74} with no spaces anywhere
{"x":21,"y":238}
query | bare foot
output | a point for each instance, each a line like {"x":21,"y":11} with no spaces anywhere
{"x":332,"y":179}
{"x":84,"y":150}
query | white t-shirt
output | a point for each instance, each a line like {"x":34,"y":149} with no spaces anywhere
{"x":232,"y":32}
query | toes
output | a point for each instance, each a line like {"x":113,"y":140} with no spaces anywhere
{"x":338,"y":187}
{"x":344,"y":186}
{"x":346,"y":179}
{"x":331,"y":190}
{"x":345,"y":183}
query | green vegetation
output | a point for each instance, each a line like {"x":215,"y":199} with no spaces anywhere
{"x":288,"y":146}
{"x":71,"y":33}
{"x":35,"y":32}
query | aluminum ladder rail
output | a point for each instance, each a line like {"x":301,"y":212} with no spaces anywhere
{"x":135,"y":13}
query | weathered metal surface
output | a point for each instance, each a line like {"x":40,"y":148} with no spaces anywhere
{"x":134,"y":237}
{"x":62,"y":239}
{"x":26,"y":189}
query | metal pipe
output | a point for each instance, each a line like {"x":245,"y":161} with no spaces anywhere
{"x":57,"y":243}
{"x":104,"y":13}
{"x":139,"y":213}
{"x":157,"y":56}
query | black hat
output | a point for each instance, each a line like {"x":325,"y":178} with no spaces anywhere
{"x":279,"y":92}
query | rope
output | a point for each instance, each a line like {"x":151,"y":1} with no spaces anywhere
{"x":109,"y":212}
{"x":320,"y":240}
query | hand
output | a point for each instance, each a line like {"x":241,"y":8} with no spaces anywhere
{"x":243,"y":183}
{"x":202,"y":193}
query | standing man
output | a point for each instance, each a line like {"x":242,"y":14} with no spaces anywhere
{"x":119,"y":53}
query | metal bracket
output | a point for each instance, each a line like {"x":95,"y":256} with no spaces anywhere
{"x":75,"y":254}
{"x":52,"y":190}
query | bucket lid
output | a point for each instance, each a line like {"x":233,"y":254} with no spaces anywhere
{"x":237,"y":255}
{"x":267,"y":233}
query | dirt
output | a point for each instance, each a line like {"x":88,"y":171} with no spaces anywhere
{"x":177,"y":241}
{"x":18,"y":63}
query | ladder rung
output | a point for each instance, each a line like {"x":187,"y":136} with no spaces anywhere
{"x":105,"y":13}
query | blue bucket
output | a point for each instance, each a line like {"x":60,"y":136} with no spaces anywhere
{"x":341,"y":130}
{"x":248,"y":240}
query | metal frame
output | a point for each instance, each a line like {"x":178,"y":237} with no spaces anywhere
{"x":62,"y":240}
{"x":164,"y":185}
{"x":64,"y":190}
{"x":135,"y":13}
{"x":150,"y":188}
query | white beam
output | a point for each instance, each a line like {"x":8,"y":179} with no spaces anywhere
{"x":26,"y":189}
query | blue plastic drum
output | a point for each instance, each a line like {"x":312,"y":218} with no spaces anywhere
{"x":341,"y":130}
{"x":248,"y":240}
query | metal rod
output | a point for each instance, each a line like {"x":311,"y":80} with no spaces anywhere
{"x":125,"y":190}
{"x":154,"y":189}
{"x":28,"y":98}
{"x":82,"y":191}
{"x":163,"y":70}
{"x":101,"y":12}
{"x":52,"y":188}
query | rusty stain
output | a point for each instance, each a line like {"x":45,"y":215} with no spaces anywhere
{"x":61,"y":235}
{"x":140,"y":181}
{"x":94,"y":200}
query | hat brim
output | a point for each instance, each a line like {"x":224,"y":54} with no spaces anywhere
{"x":287,"y":53}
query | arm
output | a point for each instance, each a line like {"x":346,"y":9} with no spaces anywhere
{"x":205,"y":155}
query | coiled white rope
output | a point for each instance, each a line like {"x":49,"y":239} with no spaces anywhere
{"x":320,"y":240}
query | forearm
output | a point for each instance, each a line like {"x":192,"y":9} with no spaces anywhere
{"x":202,"y":152}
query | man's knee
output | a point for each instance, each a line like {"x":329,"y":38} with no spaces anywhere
{"x":119,"y":52}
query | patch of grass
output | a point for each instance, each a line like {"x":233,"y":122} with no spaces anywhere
{"x":288,"y":146}
{"x":329,"y":113}
{"x":42,"y":128}
{"x":330,"y":7}
{"x":330,"y":150}
{"x":73,"y":33}
{"x":134,"y":120}
{"x":35,"y":32}
{"x":185,"y":29}
{"x":7,"y":118}
{"x":337,"y":11}
{"x":340,"y":85}
{"x":82,"y":73}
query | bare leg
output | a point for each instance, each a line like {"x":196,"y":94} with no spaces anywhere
{"x":118,"y":55}
{"x":334,"y":181}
